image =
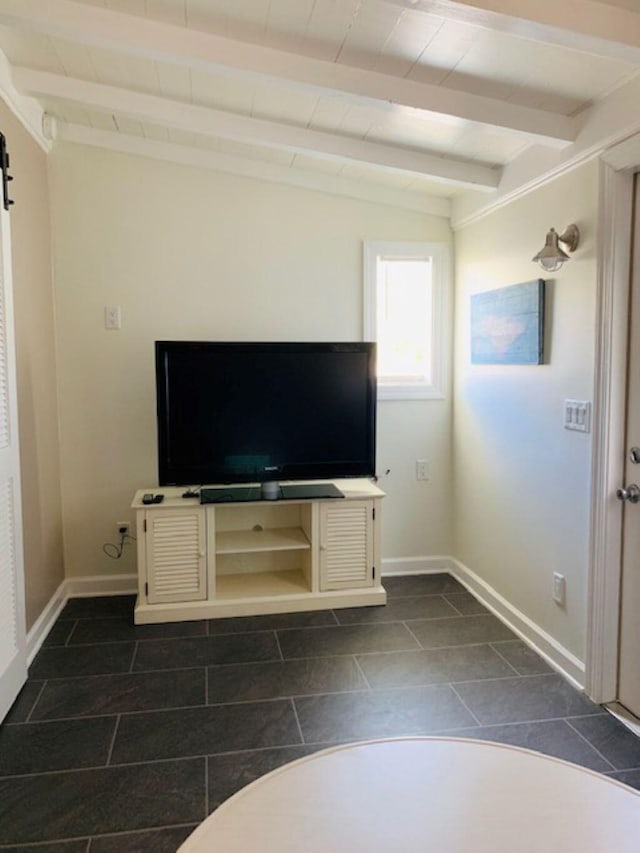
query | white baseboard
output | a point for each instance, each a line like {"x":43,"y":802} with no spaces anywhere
{"x":80,"y":587}
{"x":532,"y":634}
{"x":45,"y":621}
{"x":83,"y":587}
{"x":417,"y":565}
{"x":624,"y":716}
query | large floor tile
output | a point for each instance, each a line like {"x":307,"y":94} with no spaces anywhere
{"x":513,"y":700}
{"x":40,"y":747}
{"x":229,"y":773}
{"x":149,"y":841}
{"x":202,"y":731}
{"x":26,"y":699}
{"x":93,"y":802}
{"x":345,"y":640}
{"x":551,"y":737}
{"x":409,"y":585}
{"x":396,"y":610}
{"x":108,"y":606}
{"x":523,"y":659}
{"x":383,"y":713}
{"x":247,"y":682}
{"x":206,"y":651}
{"x":466,"y":604}
{"x":618,"y":745}
{"x":59,"y":633}
{"x":432,"y":666}
{"x":122,"y":629}
{"x":65,"y":662}
{"x":460,"y":631}
{"x":272,"y":622}
{"x":117,"y":694}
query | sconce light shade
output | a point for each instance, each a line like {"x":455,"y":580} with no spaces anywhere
{"x":551,"y":257}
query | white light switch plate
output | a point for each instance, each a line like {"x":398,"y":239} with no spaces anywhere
{"x":112,"y":317}
{"x":577,"y":415}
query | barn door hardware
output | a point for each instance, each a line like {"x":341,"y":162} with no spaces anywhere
{"x":6,"y":177}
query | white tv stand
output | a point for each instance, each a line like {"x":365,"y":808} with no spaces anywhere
{"x":256,"y":557}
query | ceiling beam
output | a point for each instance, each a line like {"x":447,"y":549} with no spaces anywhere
{"x":230,"y":164}
{"x":610,"y":122}
{"x":217,"y":123}
{"x":588,"y":26}
{"x":28,"y":111}
{"x":100,"y":27}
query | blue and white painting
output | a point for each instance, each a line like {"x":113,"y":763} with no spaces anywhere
{"x":507,"y":325}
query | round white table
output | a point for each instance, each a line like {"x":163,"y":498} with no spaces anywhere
{"x":441,"y":795}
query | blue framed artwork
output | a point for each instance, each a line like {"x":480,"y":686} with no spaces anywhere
{"x":507,"y":325}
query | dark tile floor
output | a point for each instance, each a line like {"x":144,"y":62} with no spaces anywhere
{"x":125,"y":738}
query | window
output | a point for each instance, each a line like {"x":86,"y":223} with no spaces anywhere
{"x":405,"y":287}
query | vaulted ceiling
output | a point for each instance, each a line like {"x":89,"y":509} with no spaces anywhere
{"x":441,"y":105}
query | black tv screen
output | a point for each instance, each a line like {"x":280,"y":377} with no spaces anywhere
{"x":253,"y":412}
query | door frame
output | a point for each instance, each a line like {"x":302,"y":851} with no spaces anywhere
{"x":16,"y":673}
{"x":615,"y":239}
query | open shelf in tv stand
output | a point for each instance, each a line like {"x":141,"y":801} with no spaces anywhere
{"x":257,"y":557}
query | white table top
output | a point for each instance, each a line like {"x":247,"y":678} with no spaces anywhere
{"x":442,"y":795}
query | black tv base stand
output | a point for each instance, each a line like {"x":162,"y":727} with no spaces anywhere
{"x":285,"y":492}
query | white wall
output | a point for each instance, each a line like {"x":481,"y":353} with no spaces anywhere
{"x":522,"y":482}
{"x":189,"y":253}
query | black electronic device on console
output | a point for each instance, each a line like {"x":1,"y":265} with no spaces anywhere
{"x":150,"y":498}
{"x":240,"y":413}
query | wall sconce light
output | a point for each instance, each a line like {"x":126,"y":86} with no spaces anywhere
{"x":551,"y":256}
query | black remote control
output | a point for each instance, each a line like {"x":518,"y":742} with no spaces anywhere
{"x":149,"y":498}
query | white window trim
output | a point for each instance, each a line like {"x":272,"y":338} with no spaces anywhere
{"x":440,"y":252}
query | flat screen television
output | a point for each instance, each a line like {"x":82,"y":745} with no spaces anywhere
{"x":258,"y":412}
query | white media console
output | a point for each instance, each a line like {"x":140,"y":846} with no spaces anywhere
{"x":203,"y":561}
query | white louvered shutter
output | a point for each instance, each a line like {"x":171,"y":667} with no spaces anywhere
{"x":13,"y":654}
{"x":346,"y":546}
{"x":176,"y":556}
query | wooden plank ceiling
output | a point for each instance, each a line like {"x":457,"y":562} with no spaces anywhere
{"x":428,"y":98}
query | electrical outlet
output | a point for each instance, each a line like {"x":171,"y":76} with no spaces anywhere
{"x":559,"y":589}
{"x":422,"y":469}
{"x":123,"y":528}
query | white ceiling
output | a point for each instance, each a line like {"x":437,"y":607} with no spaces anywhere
{"x":432,"y":102}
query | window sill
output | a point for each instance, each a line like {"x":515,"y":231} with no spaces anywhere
{"x":409,"y":392}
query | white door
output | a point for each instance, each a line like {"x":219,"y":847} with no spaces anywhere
{"x":629,"y":660}
{"x":13,"y":654}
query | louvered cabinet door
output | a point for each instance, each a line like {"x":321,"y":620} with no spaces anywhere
{"x":176,"y":555}
{"x":346,"y":545}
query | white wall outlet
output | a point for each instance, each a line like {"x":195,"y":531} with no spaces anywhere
{"x":422,"y":469}
{"x":123,"y":528}
{"x":112,"y":317}
{"x":559,"y":589}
